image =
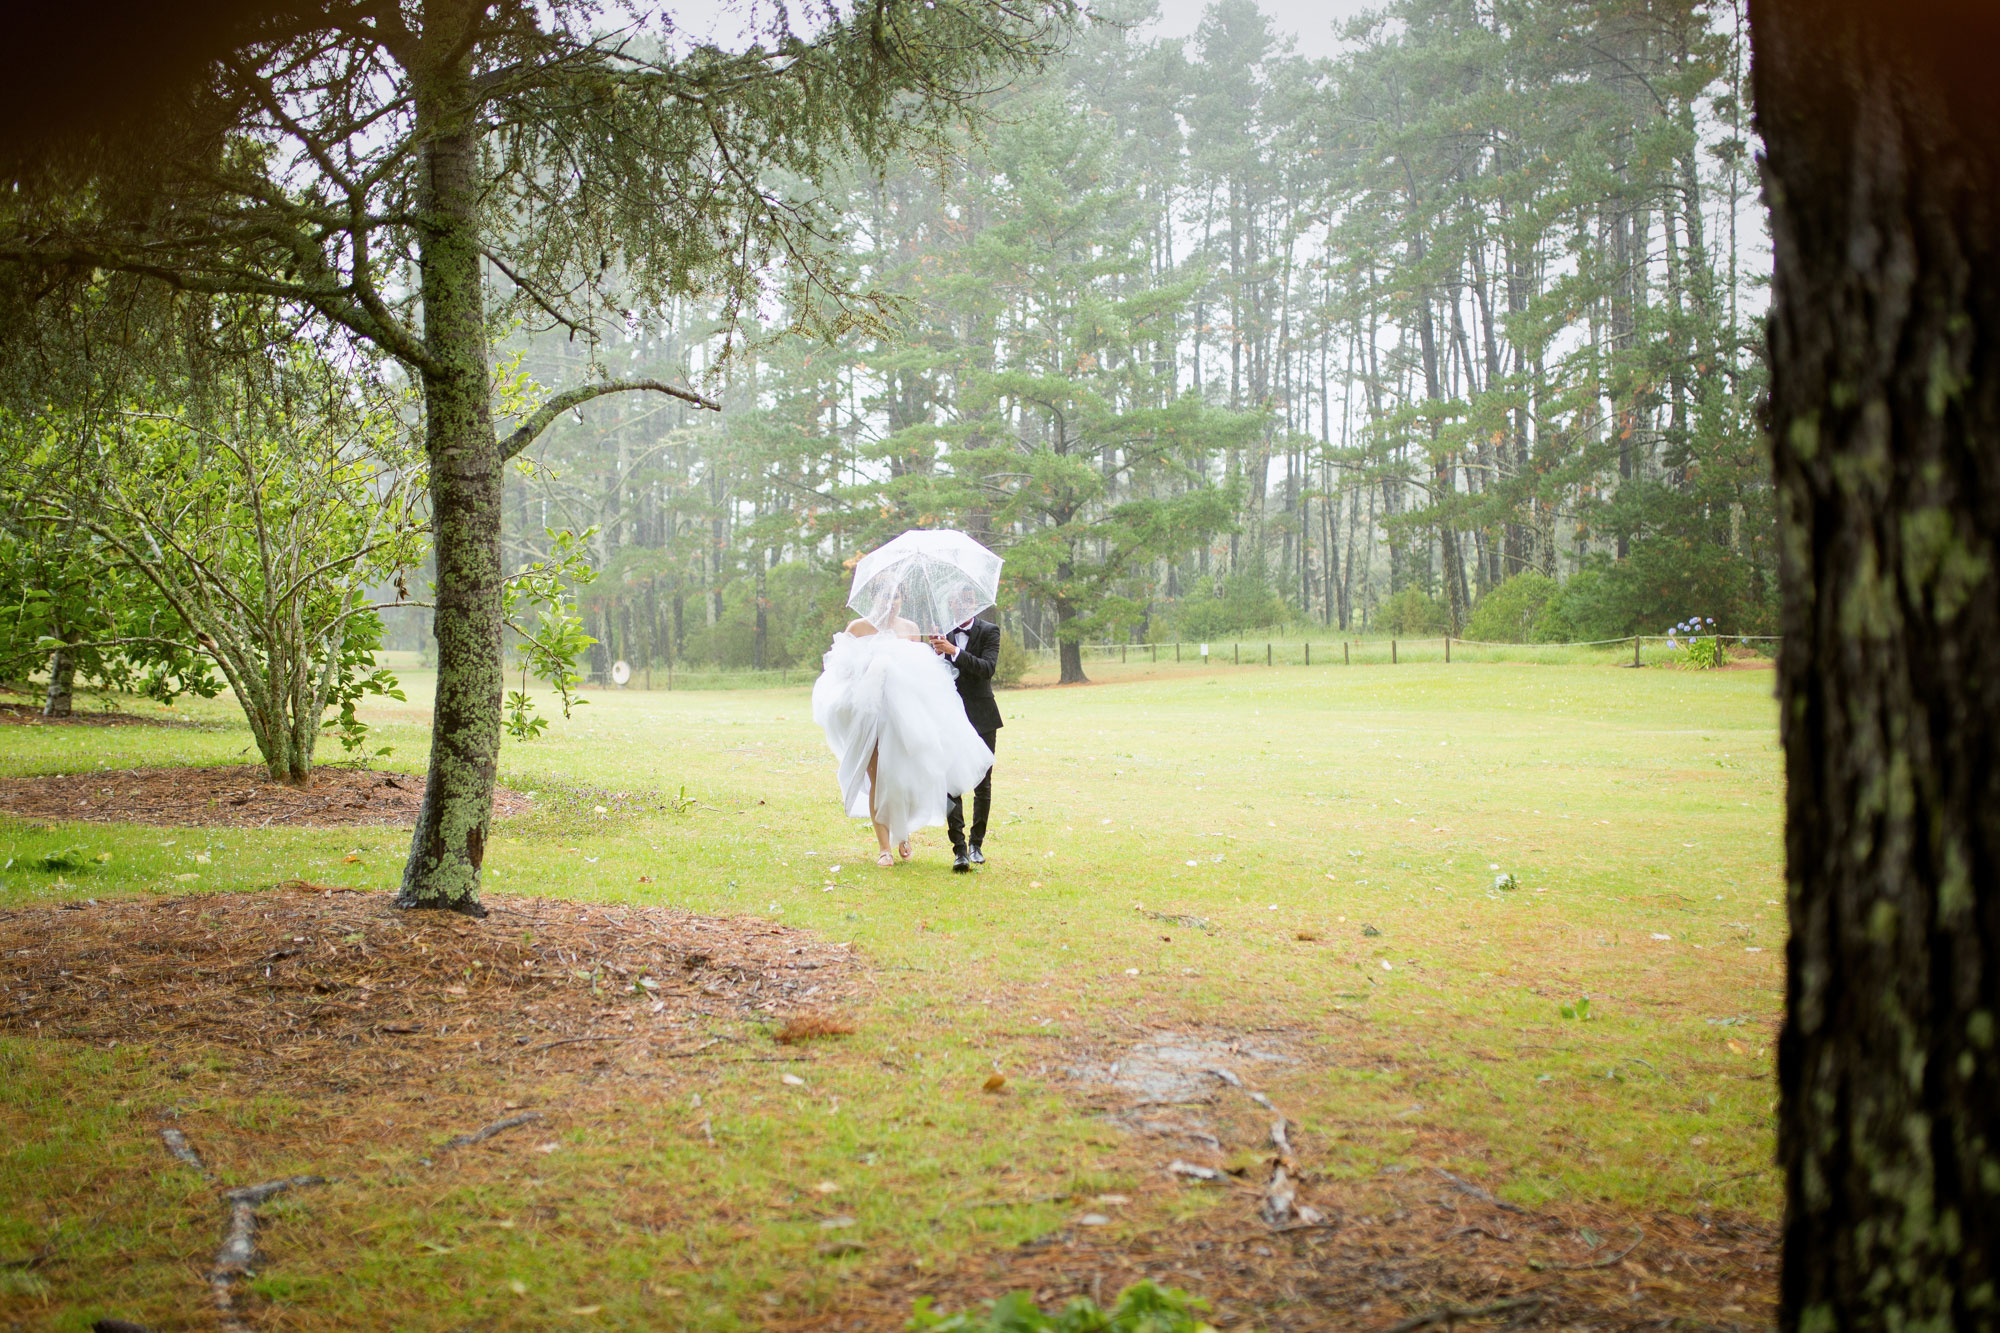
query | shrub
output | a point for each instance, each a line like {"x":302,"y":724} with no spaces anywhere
{"x":1228,"y":606}
{"x":1412,"y":612}
{"x":1013,"y":663}
{"x":1507,"y":614}
{"x":1141,"y":1308}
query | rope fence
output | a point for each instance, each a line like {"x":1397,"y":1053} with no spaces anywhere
{"x":1357,"y":651}
{"x":1393,"y":650}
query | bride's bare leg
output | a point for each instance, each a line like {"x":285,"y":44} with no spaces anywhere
{"x":881,"y":829}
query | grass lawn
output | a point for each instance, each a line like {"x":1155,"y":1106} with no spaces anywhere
{"x":1303,"y":862}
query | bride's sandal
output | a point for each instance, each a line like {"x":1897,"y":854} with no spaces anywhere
{"x":904,"y":850}
{"x":886,"y":861}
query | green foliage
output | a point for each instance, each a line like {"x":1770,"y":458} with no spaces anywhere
{"x":234,"y":513}
{"x":1013,"y":662}
{"x":1233,"y":604}
{"x":1578,"y":1011}
{"x":64,"y":590}
{"x":1510,"y":612}
{"x":1705,"y":654}
{"x":1412,"y":613}
{"x":1141,"y":1308}
{"x":551,"y":646}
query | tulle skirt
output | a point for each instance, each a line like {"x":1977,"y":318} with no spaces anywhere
{"x":894,"y":699}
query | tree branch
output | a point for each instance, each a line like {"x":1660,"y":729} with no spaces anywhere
{"x":546,"y":414}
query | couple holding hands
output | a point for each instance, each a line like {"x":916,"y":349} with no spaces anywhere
{"x":906,"y":694}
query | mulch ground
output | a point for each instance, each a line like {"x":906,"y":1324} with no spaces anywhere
{"x":1403,"y":1251}
{"x":312,"y":988}
{"x":314,"y":991}
{"x":237,"y":796}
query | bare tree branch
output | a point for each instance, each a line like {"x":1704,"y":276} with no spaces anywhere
{"x":545,"y":415}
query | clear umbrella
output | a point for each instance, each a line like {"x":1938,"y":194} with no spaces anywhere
{"x":934,"y":578}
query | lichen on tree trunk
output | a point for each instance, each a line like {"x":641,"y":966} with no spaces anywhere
{"x":62,"y":683}
{"x":1883,"y":137}
{"x":465,"y":480}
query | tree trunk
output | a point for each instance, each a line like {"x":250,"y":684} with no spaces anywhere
{"x":1883,"y":132}
{"x":62,"y":682}
{"x":1069,"y":653}
{"x":465,"y":483}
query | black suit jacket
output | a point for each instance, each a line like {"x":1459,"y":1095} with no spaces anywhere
{"x":976,"y":662}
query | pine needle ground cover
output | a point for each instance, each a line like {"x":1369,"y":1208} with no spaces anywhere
{"x":1498,"y":947}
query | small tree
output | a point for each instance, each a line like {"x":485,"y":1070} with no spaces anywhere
{"x":66,"y":604}
{"x":260,"y":517}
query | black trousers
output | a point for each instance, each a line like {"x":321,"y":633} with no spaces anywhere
{"x":982,"y":805}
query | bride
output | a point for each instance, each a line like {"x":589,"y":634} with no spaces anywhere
{"x":894,"y":720}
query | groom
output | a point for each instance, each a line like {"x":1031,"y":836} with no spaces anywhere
{"x":973,"y":646}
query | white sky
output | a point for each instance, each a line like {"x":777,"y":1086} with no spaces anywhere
{"x":1309,"y":22}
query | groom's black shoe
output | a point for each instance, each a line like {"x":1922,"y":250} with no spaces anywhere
{"x":976,"y":856}
{"x":961,"y":862}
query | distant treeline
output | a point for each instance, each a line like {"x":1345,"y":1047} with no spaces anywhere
{"x":1459,"y":330}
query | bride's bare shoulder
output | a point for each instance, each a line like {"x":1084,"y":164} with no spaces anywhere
{"x":861,"y":629}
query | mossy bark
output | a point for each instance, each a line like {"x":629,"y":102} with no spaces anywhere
{"x":62,"y":682}
{"x":1883,"y":138}
{"x":465,"y":482}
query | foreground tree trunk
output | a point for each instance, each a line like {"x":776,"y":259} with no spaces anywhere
{"x":62,"y":683}
{"x":1883,"y":134}
{"x":465,"y":480}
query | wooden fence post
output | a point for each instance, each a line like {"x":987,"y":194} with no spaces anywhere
{"x":1267,"y":654}
{"x":1635,"y":650}
{"x":1392,"y":652}
{"x":1236,"y":654}
{"x":1121,"y":654}
{"x":1345,"y":660}
{"x":1309,"y":652}
{"x":1447,"y":649}
{"x":1177,"y":650}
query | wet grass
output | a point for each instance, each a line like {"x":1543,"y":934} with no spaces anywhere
{"x":1406,"y":878}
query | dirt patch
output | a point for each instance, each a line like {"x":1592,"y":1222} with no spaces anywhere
{"x":1172,"y":1068}
{"x":239,"y":796}
{"x":30,"y":715}
{"x":316,"y":988}
{"x":1403,"y":1245}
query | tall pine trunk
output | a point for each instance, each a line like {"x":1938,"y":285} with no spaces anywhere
{"x":465,"y":482}
{"x":1883,"y":135}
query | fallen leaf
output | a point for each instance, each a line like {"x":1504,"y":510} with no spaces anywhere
{"x":585,"y":1309}
{"x":794,"y":1080}
{"x":834,"y":1249}
{"x":1093,"y":1220}
{"x":1738,"y":1047}
{"x":836,"y":1223}
{"x":995,"y":1082}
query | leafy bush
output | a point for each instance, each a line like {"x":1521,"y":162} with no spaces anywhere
{"x":1412,"y":612}
{"x":1508,"y":613}
{"x":1013,"y":662}
{"x":1228,"y":606}
{"x":1141,"y":1308}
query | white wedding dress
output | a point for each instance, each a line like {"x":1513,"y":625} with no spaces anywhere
{"x":893,"y":697}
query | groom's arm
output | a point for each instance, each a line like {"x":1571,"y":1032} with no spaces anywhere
{"x":980,"y":663}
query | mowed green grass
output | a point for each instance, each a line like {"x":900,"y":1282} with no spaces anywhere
{"x":1336,"y":832}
